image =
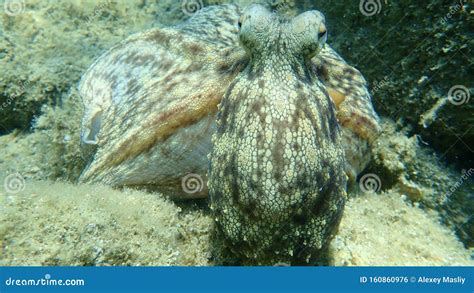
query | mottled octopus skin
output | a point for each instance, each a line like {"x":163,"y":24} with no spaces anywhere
{"x":277,"y":179}
{"x":151,"y":101}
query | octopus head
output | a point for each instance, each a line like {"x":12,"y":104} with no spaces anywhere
{"x":262,"y":31}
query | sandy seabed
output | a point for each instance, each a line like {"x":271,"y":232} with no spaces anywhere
{"x":53,"y":223}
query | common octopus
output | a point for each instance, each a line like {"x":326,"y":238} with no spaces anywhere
{"x":276,"y":178}
{"x":290,"y":120}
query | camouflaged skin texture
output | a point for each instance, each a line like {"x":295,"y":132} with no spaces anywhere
{"x":277,"y":180}
{"x":355,"y":113}
{"x":151,"y":101}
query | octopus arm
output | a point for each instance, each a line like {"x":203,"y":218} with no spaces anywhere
{"x":348,"y":89}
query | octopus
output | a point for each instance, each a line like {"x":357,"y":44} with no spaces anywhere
{"x":251,"y":108}
{"x":277,"y":178}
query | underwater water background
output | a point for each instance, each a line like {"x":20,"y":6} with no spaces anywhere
{"x":413,"y":204}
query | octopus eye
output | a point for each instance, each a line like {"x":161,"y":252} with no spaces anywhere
{"x":321,"y":34}
{"x":322,"y":31}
